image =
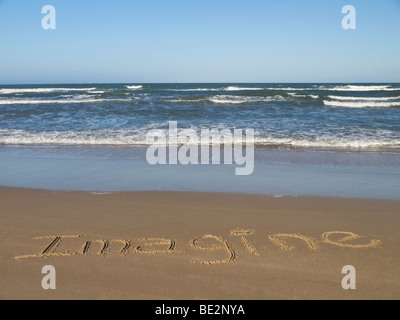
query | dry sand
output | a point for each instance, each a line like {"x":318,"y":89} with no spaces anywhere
{"x":168,"y":245}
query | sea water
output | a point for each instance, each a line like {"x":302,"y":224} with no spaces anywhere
{"x":311,"y":139}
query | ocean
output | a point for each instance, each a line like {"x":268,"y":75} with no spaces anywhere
{"x":349,"y":117}
{"x":336,"y":140}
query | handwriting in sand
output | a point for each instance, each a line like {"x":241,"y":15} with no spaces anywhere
{"x":207,"y":243}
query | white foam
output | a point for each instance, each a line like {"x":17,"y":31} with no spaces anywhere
{"x":363,"y":98}
{"x":121,"y":138}
{"x":292,"y":94}
{"x":43,"y":90}
{"x":185,"y":101}
{"x":69,"y":101}
{"x":98,"y":92}
{"x":290,"y":89}
{"x":100,"y":137}
{"x":138,"y":138}
{"x":330,"y":142}
{"x":194,"y":90}
{"x":228,"y":99}
{"x":338,"y":88}
{"x":363,"y":104}
{"x":361,"y":88}
{"x":134,"y":87}
{"x":232,"y":88}
{"x":295,"y":95}
{"x":199,"y":90}
{"x":242,"y":89}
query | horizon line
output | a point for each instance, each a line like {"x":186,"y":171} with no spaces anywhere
{"x":140,"y":83}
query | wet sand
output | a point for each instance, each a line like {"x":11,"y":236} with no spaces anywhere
{"x":325,"y":173}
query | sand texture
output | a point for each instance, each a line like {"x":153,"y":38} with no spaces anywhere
{"x":170,"y":245}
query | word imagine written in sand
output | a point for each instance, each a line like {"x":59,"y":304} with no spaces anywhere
{"x":192,"y":145}
{"x":206,"y":244}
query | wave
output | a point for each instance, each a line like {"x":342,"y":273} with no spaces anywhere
{"x":138,"y":138}
{"x":242,"y":89}
{"x":338,"y":88}
{"x":361,"y":88}
{"x":195,"y":90}
{"x":186,"y":101}
{"x":43,"y":90}
{"x":295,"y":95}
{"x":329,"y":143}
{"x":105,"y":137}
{"x":69,"y":101}
{"x":217,"y":89}
{"x":234,"y":88}
{"x":134,"y":87}
{"x":364,"y":98}
{"x":227,"y":99}
{"x":364,"y":104}
{"x":290,"y":89}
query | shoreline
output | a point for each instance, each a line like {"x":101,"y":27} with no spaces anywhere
{"x":184,"y":246}
{"x":206,"y":193}
{"x":257,"y":147}
{"x":279,"y":173}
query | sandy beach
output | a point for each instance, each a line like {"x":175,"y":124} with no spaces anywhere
{"x":180,"y":245}
{"x":176,"y":153}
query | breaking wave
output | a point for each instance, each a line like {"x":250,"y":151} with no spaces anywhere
{"x":363,"y":104}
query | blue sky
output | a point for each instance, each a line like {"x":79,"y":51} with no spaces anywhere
{"x":139,"y":41}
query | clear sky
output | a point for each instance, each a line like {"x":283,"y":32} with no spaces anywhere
{"x":140,"y":41}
